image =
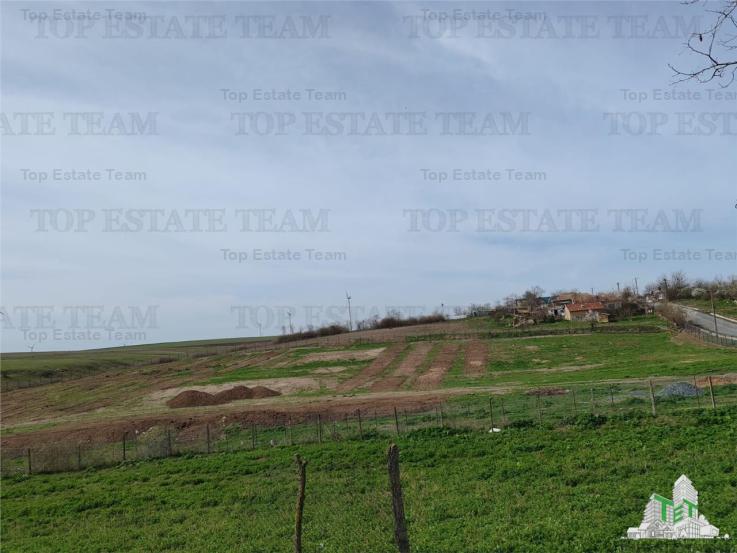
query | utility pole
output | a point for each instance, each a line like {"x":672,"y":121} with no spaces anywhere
{"x":637,"y":290}
{"x":350,"y":316}
{"x":714,"y":314}
{"x":665,"y":284}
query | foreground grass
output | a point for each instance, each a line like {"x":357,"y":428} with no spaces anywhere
{"x":573,"y":488}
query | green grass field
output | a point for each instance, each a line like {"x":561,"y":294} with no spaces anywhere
{"x":571,"y":488}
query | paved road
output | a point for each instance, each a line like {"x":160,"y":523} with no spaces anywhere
{"x":706,"y":321}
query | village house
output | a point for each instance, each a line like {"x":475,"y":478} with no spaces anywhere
{"x":592,"y":311}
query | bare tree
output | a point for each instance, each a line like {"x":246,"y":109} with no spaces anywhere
{"x":716,"y":47}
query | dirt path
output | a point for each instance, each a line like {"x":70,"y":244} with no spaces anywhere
{"x":406,"y":368}
{"x":477,"y":355}
{"x":373,"y":370}
{"x":440,"y":365}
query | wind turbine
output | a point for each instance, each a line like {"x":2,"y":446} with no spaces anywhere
{"x":350,"y":317}
{"x":31,"y":347}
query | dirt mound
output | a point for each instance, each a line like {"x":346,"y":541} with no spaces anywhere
{"x":239,"y":392}
{"x":196,"y":398}
{"x":192,"y":398}
{"x":259,"y":392}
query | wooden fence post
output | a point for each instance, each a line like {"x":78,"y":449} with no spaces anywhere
{"x":124,"y":436}
{"x":611,"y":397}
{"x":302,"y":477}
{"x":711,"y":393}
{"x":593,"y":403}
{"x":253,"y":435}
{"x":207,"y":435}
{"x":652,"y":398}
{"x":360,"y":425}
{"x":491,"y":412}
{"x":319,"y":429}
{"x":396,"y":421}
{"x":401,"y":538}
{"x":28,"y":459}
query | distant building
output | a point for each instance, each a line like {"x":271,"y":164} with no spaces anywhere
{"x":593,"y":311}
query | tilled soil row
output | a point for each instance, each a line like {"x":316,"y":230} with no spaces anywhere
{"x":477,"y":355}
{"x":440,"y":366}
{"x":373,"y":370}
{"x":406,"y":369}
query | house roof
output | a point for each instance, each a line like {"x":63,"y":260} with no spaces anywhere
{"x":593,"y":306}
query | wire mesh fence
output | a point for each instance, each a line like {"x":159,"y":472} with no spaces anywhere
{"x":710,"y":337}
{"x":545,"y":406}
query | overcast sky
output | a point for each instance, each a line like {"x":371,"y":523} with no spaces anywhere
{"x":377,"y":148}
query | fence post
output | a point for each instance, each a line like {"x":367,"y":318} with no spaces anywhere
{"x":168,"y":441}
{"x":360,"y":425}
{"x":79,"y":456}
{"x":575,"y":406}
{"x":396,"y":420}
{"x":539,"y":410}
{"x":698,"y":391}
{"x":207,"y":433}
{"x":302,"y":477}
{"x":401,"y":538}
{"x":319,"y":429}
{"x":253,"y":435}
{"x":593,"y":403}
{"x":652,"y":398}
{"x":711,"y":393}
{"x":28,"y":458}
{"x":291,"y":431}
{"x":491,"y":412}
{"x":611,"y":397}
{"x":124,"y":436}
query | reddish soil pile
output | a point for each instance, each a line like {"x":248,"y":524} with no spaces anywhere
{"x":239,"y":392}
{"x":259,"y":392}
{"x":191,"y":398}
{"x":195,"y":398}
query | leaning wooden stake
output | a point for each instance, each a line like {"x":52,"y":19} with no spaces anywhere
{"x":711,"y":392}
{"x":652,"y":398}
{"x":401,"y":537}
{"x":302,"y":476}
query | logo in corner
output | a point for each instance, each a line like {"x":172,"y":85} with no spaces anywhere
{"x":677,"y":518}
